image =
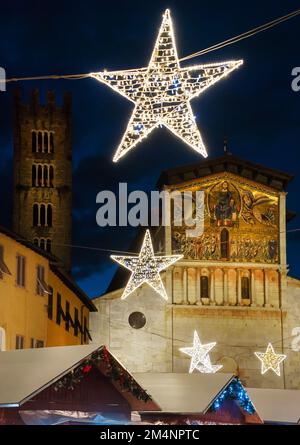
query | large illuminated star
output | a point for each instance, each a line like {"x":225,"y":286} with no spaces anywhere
{"x":146,"y":268}
{"x":270,"y":360}
{"x":162,"y":92}
{"x":200,"y":358}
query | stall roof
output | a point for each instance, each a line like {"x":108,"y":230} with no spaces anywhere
{"x":26,"y":372}
{"x":183,"y":393}
{"x":276,"y":405}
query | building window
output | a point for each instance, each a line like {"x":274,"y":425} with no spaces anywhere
{"x":204,"y":293}
{"x":42,"y":141}
{"x":36,"y":343}
{"x":224,"y":244}
{"x":21,"y":260}
{"x":245,"y":285}
{"x":41,"y":286}
{"x":49,"y":215}
{"x":51,"y":142}
{"x":50,"y":303}
{"x":137,"y":320}
{"x":67,"y":316}
{"x":42,"y":175}
{"x":3,"y":267}
{"x":58,"y":308}
{"x":43,"y":243}
{"x":85,"y":330}
{"x":51,"y":176}
{"x":19,"y":342}
{"x":2,"y":339}
{"x":76,"y":322}
{"x":42,"y":215}
{"x":48,"y":245}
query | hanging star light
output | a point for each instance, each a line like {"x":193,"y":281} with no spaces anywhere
{"x":162,"y":92}
{"x":270,"y":360}
{"x":146,"y":268}
{"x":200,"y":357}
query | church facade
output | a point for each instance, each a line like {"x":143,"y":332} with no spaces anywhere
{"x":232,"y":286}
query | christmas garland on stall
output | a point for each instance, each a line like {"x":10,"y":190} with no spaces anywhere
{"x":114,"y":372}
{"x":234,"y":391}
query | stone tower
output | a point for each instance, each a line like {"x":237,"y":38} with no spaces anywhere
{"x":43,"y":174}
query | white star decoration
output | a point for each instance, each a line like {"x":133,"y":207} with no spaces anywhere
{"x":200,"y":358}
{"x":162,"y":92}
{"x":146,"y":268}
{"x":270,"y":360}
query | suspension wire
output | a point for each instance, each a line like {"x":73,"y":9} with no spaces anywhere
{"x":215,"y":47}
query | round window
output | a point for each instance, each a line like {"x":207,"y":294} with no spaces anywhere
{"x":137,"y":320}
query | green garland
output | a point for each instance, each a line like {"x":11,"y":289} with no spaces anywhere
{"x":114,"y":373}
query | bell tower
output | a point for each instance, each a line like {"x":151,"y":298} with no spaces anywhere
{"x":43,"y":173}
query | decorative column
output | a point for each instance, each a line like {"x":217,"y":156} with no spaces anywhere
{"x":252,"y":290}
{"x":266,"y":289}
{"x":212,"y":287}
{"x":198,"y":294}
{"x":184,"y":286}
{"x":239,"y":288}
{"x":225,"y":287}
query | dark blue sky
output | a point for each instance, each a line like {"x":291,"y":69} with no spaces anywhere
{"x":254,"y":107}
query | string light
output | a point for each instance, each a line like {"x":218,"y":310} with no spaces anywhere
{"x":162,"y":92}
{"x":270,"y":360}
{"x":146,"y":268}
{"x":200,"y":358}
{"x":235,"y":391}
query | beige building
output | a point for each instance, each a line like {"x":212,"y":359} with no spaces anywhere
{"x":232,"y":285}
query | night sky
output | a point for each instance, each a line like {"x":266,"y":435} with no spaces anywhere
{"x":255,"y":107}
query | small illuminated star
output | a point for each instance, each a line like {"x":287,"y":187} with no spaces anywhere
{"x":200,"y":358}
{"x":162,"y":92}
{"x":270,"y":360}
{"x":145,"y":268}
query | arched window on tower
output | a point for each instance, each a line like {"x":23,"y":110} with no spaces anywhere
{"x":51,"y":145}
{"x":33,"y":141}
{"x":43,"y":215}
{"x":35,"y":215}
{"x":36,"y":242}
{"x":42,"y":243}
{"x":51,"y":174}
{"x":39,"y":175}
{"x":46,"y":141}
{"x":49,"y":215}
{"x":45,"y":175}
{"x":40,"y":142}
{"x":204,"y":292}
{"x":33,"y":175}
{"x":224,"y":248}
{"x":245,"y":288}
{"x":48,"y":245}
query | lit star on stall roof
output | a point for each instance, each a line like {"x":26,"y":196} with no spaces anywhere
{"x":162,"y":92}
{"x":146,"y":268}
{"x":270,"y":360}
{"x":200,"y":356}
